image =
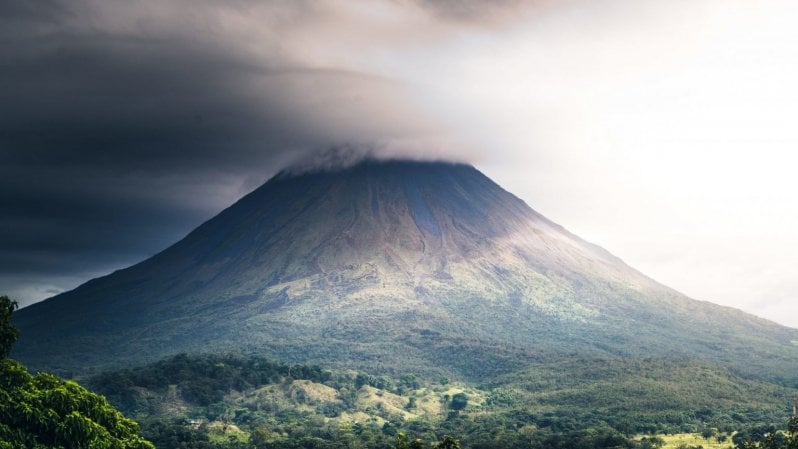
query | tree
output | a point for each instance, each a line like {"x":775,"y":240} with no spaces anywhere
{"x":410,"y":381}
{"x":771,"y":440}
{"x":8,"y":332}
{"x":260,"y":437}
{"x":42,"y":411}
{"x":651,"y":443}
{"x":708,"y":433}
{"x":459,"y":401}
{"x":448,"y":443}
{"x":403,"y":442}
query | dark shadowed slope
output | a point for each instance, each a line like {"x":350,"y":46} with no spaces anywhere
{"x":392,"y":266}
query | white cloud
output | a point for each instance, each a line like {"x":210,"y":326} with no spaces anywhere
{"x":661,"y":130}
{"x":680,"y":160}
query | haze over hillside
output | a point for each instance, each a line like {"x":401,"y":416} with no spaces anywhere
{"x":391,"y":266}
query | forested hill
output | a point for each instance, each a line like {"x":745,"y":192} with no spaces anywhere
{"x":242,"y":400}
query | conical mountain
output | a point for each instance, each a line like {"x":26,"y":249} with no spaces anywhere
{"x":393,"y":266}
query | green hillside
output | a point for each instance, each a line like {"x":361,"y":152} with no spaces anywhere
{"x":229,"y":398}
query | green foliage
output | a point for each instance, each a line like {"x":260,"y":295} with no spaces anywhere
{"x":448,"y":443}
{"x":459,"y":401}
{"x":382,"y":383}
{"x":640,"y":395}
{"x":769,"y":438}
{"x":202,"y":380}
{"x":43,"y":411}
{"x":177,"y":434}
{"x":560,"y":404}
{"x":8,"y":332}
{"x":410,"y":381}
{"x":404,"y":442}
{"x":651,"y":443}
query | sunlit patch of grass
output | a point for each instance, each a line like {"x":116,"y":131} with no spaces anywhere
{"x":220,"y":432}
{"x":694,"y":439}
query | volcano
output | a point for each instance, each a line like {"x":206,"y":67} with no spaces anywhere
{"x":394,"y":266}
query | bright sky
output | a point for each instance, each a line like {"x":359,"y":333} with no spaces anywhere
{"x":664,"y":131}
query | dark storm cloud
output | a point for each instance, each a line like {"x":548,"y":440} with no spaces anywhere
{"x":123,"y":125}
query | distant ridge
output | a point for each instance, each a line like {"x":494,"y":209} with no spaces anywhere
{"x":394,"y":266}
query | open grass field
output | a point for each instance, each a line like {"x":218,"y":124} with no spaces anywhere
{"x":694,"y":439}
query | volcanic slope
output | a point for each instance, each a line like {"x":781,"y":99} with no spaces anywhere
{"x":392,"y":266}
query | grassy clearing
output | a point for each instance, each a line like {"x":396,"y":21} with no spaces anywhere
{"x":221,"y":432}
{"x":693,"y":439}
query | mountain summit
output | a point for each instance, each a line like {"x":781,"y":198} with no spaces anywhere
{"x":390,"y":265}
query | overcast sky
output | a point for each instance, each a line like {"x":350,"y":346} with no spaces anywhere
{"x":662,"y":130}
